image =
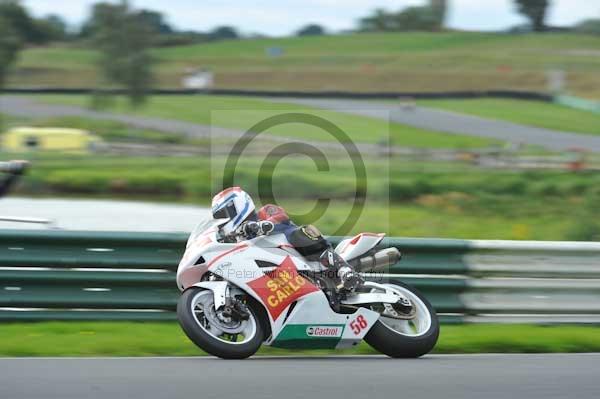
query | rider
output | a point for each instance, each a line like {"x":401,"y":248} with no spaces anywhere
{"x":14,"y":169}
{"x":237,"y":206}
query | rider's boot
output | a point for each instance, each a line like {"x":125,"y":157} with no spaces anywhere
{"x":350,"y":280}
{"x":347,"y":279}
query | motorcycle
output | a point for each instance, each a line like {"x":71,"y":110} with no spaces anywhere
{"x":237,"y":296}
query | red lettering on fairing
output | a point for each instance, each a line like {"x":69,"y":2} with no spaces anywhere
{"x":282,"y":287}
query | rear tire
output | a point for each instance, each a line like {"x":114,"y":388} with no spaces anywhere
{"x":395,"y":344}
{"x":210,"y":343}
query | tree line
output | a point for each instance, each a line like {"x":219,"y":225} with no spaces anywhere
{"x":52,"y":28}
{"x":431,"y":17}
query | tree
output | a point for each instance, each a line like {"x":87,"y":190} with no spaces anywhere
{"x":311,"y":30}
{"x":380,"y":21}
{"x":17,"y":17}
{"x":535,"y":11}
{"x":10,"y":43}
{"x":590,"y":26}
{"x":32,"y":30}
{"x":439,"y":8}
{"x":417,"y":19}
{"x":157,"y":21}
{"x":224,"y":33}
{"x":11,"y":40}
{"x":100,"y":12}
{"x":422,"y":18}
{"x":124,"y":38}
{"x":52,"y":28}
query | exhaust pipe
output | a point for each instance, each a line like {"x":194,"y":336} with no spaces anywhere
{"x":377,"y":261}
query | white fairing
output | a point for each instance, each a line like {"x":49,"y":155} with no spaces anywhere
{"x":358,"y":245}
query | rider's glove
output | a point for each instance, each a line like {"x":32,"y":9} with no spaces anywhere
{"x":266,"y":227}
{"x":15,"y":167}
{"x":250,"y":229}
{"x":254,"y":229}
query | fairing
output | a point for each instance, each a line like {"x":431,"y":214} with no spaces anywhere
{"x":358,"y":245}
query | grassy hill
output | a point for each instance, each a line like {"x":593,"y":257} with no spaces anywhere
{"x":363,"y":62}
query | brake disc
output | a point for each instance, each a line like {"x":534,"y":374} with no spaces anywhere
{"x":399,"y":311}
{"x":224,"y":323}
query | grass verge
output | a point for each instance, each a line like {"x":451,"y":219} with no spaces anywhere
{"x":167,"y":339}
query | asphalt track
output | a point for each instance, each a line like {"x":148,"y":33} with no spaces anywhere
{"x":456,"y":123}
{"x":441,"y":376}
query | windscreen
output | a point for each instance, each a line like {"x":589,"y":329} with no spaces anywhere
{"x":201,"y":227}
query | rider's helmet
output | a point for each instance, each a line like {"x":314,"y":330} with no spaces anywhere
{"x":234,"y":204}
{"x":273,"y":213}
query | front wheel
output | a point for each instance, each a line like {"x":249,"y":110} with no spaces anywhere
{"x":406,"y":338}
{"x":214,"y":332}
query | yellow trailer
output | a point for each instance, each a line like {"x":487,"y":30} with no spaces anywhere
{"x":25,"y":139}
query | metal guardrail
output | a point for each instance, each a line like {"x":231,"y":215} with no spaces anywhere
{"x":49,"y":275}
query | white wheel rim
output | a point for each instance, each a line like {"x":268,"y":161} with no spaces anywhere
{"x":203,"y":302}
{"x":415,"y":327}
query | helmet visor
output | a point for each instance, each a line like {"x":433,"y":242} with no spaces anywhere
{"x":226,"y":212}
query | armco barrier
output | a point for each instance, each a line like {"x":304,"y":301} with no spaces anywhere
{"x":50,"y":275}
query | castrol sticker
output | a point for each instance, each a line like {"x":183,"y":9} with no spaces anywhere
{"x":281,"y":287}
{"x":324,"y":331}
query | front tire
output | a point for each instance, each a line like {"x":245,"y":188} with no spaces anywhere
{"x":200,"y":322}
{"x":400,"y":339}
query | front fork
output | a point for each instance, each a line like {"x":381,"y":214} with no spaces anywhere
{"x":224,"y":298}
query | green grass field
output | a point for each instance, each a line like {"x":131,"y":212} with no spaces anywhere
{"x":167,"y":339}
{"x":534,"y":113}
{"x":242,"y":113}
{"x":363,"y":62}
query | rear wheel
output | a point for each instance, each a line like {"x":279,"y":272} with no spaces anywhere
{"x":412,"y":336}
{"x":214,"y":332}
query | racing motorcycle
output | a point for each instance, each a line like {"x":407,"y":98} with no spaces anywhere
{"x":237,"y":296}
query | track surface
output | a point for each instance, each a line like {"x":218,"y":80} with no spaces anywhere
{"x":456,"y":123}
{"x":442,"y":376}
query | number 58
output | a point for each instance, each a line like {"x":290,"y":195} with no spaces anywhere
{"x":359,"y":324}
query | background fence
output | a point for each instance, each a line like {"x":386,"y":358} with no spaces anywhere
{"x":465,"y":94}
{"x":51,"y":275}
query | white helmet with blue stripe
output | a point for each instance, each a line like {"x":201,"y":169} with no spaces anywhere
{"x":234,"y":204}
